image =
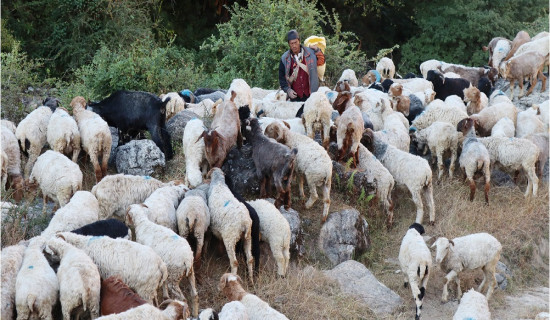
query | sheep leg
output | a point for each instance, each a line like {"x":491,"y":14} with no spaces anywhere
{"x":230,"y":248}
{"x":429,"y":197}
{"x":301,"y":186}
{"x":279,"y":258}
{"x":66,"y":311}
{"x":248,"y":253}
{"x":262,"y":187}
{"x":105,"y":159}
{"x":532,"y":181}
{"x":417,"y":199}
{"x":520,"y":88}
{"x":309,"y":130}
{"x":33,"y":155}
{"x":487,"y":170}
{"x":541,"y":76}
{"x":23,"y":314}
{"x":450,"y":276}
{"x":326,"y":197}
{"x":512,"y":87}
{"x":325,"y":135}
{"x":193,"y":293}
{"x":533,"y":82}
{"x":490,"y":270}
{"x":200,"y":243}
{"x":440,"y":165}
{"x":472,"y":188}
{"x":97,"y":168}
{"x":312,"y":192}
{"x":417,"y":295}
{"x":452,"y":164}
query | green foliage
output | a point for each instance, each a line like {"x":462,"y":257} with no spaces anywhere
{"x":7,"y":42}
{"x":141,"y":66}
{"x":454,"y":31}
{"x":251,"y":43}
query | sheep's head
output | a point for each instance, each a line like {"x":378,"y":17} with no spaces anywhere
{"x":418,"y":227}
{"x":471,"y":94}
{"x":20,"y":185}
{"x":430,"y":95}
{"x":358,"y":100}
{"x":443,"y":245}
{"x":341,"y":102}
{"x":179,"y":308}
{"x":230,"y":285}
{"x":403,"y":104}
{"x":396,"y":89}
{"x":368,"y":139}
{"x":342,"y":85}
{"x":436,"y":77}
{"x":276,"y":131}
{"x":78,"y":103}
{"x":465,"y":124}
{"x":52,"y":246}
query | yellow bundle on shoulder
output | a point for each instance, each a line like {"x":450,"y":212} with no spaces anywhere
{"x":321,"y":43}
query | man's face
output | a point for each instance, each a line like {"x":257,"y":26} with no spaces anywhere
{"x":294,"y":46}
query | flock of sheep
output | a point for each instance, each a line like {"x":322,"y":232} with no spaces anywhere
{"x":451,"y":108}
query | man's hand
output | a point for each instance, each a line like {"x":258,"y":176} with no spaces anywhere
{"x":291,"y":94}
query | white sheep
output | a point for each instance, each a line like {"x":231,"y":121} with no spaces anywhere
{"x":162,"y":205}
{"x":63,"y":135}
{"x":473,"y":305}
{"x":12,"y":259}
{"x":489,"y":116}
{"x":275,"y":95}
{"x":174,"y":310}
{"x":175,"y":105}
{"x":414,"y":85}
{"x":425,"y":96}
{"x":479,"y":250}
{"x":36,"y":286}
{"x":415,"y":259}
{"x":500,"y":51}
{"x":204,"y":108}
{"x":386,"y":68}
{"x":349,"y":76}
{"x":116,"y":192}
{"x":317,"y":114}
{"x":498,"y":97}
{"x":539,"y":45}
{"x":256,"y":308}
{"x":243,"y":91}
{"x":279,"y":109}
{"x":544,"y":108}
{"x":193,"y":216}
{"x":193,"y":149}
{"x":95,"y":136}
{"x":79,"y":281}
{"x":137,"y":265}
{"x":32,"y":135}
{"x":349,"y":132}
{"x":528,"y":122}
{"x":233,"y":310}
{"x":81,"y":210}
{"x":312,"y":161}
{"x":10,"y":146}
{"x":407,"y":169}
{"x":440,"y":137}
{"x":229,"y":220}
{"x":438,"y":110}
{"x":173,"y":249}
{"x":541,"y":141}
{"x":376,"y":105}
{"x":58,"y":177}
{"x":295,"y":124}
{"x":395,"y":132}
{"x":381,"y":178}
{"x":515,"y":154}
{"x":274,"y":228}
{"x":8,"y":124}
{"x":504,"y":128}
{"x":456,"y":101}
{"x":429,"y":65}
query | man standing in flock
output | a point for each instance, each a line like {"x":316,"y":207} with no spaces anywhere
{"x":298,"y":68}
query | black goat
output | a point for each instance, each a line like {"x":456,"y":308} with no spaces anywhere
{"x":133,"y":111}
{"x":112,"y":228}
{"x":445,"y":87}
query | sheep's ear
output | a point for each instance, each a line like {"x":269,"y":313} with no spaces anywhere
{"x":485,"y":48}
{"x":165,"y":304}
{"x":434,"y":244}
{"x":145,"y":206}
{"x":233,"y":95}
{"x":451,"y":243}
{"x":288,"y":125}
{"x":59,"y":235}
{"x":201,"y":136}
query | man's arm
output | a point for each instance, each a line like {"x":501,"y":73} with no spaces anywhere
{"x":282,"y":77}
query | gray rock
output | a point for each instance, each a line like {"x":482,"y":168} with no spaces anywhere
{"x":297,"y":236}
{"x":114,"y":145}
{"x":352,"y":180}
{"x":176,"y":124}
{"x":502,"y":275}
{"x":357,"y":281}
{"x":543,"y":316}
{"x":500,"y":178}
{"x":139,"y":157}
{"x":502,"y":282}
{"x":502,"y":268}
{"x":344,"y":235}
{"x":240,"y":167}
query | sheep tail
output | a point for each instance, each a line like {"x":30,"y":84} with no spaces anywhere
{"x":31,"y":300}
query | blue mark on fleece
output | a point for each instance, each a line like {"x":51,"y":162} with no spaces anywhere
{"x":384,"y":131}
{"x":226,"y":203}
{"x":186,"y":93}
{"x":146,"y":177}
{"x":377,"y":74}
{"x":94,"y":238}
{"x":175,"y":237}
{"x":31,"y":267}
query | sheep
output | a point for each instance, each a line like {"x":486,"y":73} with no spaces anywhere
{"x":174,"y":310}
{"x":492,"y":45}
{"x":342,"y":102}
{"x":415,"y":259}
{"x":349,"y":132}
{"x":58,"y":177}
{"x":31,"y":133}
{"x":484,"y":85}
{"x":402,"y":104}
{"x":479,"y":250}
{"x":193,"y":149}
{"x":386,"y":68}
{"x":225,"y":133}
{"x":349,"y":76}
{"x":541,"y":141}
{"x":501,"y":49}
{"x":400,"y":164}
{"x":116,"y":192}
{"x":473,"y":305}
{"x":497,"y":97}
{"x":476,"y":100}
{"x":243,"y":92}
{"x":8,"y":124}
{"x":395,"y":132}
{"x":63,"y":135}
{"x":274,"y":162}
{"x":437,"y":110}
{"x":371,"y":77}
{"x":440,"y":137}
{"x":175,"y":104}
{"x":13,"y":163}
{"x":162,"y":205}
{"x":426,"y":96}
{"x":193,"y":216}
{"x":279,"y":109}
{"x":455,"y":101}
{"x":445,"y":87}
{"x":312,"y":161}
{"x":472,"y":74}
{"x":409,"y":85}
{"x":429,"y":65}
{"x":528,"y":122}
{"x":229,"y":220}
{"x":295,"y":124}
{"x":95,"y":136}
{"x":256,"y":308}
{"x":474,"y":157}
{"x":376,"y":106}
{"x":276,"y":230}
{"x":137,"y":265}
{"x":521,"y":38}
{"x":12,"y":259}
{"x":544,"y":109}
{"x":317,"y":113}
{"x":205,"y":108}
{"x":81,"y":210}
{"x":112,"y":228}
{"x":276,"y":95}
{"x":116,"y":297}
{"x":381,"y":177}
{"x":259,"y":93}
{"x":504,"y":128}
{"x":36,"y":286}
{"x":233,"y":310}
{"x":539,"y":45}
{"x":79,"y":281}
{"x":488,"y":117}
{"x":173,"y":250}
{"x":527,"y":65}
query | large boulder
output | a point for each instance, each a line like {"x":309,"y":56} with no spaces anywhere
{"x":354,"y":180}
{"x":139,"y":157}
{"x":240,"y":167}
{"x":357,"y":281}
{"x":297,"y":237}
{"x":176,"y":124}
{"x":114,"y":145}
{"x":344,"y":235}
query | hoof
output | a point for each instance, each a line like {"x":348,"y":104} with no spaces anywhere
{"x":432,"y":223}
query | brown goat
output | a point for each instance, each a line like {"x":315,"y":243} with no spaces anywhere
{"x":342,"y":86}
{"x":401,"y":104}
{"x":396,"y":89}
{"x":472,"y":96}
{"x":226,"y":132}
{"x":343,"y":100}
{"x":521,"y":38}
{"x":526,"y":65}
{"x":117,"y":297}
{"x":369,"y":78}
